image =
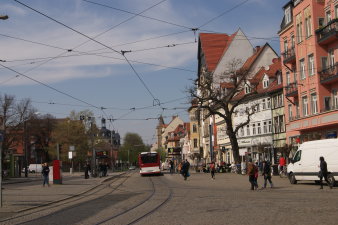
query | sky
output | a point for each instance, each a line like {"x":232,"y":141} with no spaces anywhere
{"x":65,"y":55}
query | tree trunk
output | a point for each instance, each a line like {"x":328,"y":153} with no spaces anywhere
{"x":233,"y":140}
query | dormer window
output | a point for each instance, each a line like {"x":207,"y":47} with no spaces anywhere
{"x":247,"y":88}
{"x":279,"y":78}
{"x":287,"y":15}
{"x":265,"y":81}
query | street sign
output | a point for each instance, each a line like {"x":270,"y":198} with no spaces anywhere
{"x":71,"y":148}
{"x":70,"y":155}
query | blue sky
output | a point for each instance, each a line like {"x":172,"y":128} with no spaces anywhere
{"x":101,"y":77}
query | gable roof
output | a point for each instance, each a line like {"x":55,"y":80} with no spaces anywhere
{"x":213,"y":46}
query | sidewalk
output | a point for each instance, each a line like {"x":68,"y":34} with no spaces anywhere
{"x":20,"y":194}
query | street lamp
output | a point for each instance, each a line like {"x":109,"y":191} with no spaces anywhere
{"x":1,"y":139}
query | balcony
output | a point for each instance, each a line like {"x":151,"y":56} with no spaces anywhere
{"x":329,"y":33}
{"x":291,"y":89}
{"x":329,"y":75}
{"x":289,"y":56}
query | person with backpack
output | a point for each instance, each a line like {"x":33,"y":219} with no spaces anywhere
{"x":251,"y":173}
{"x":267,"y":173}
{"x":212,"y":170}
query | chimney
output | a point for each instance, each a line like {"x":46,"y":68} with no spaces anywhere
{"x":275,"y":60}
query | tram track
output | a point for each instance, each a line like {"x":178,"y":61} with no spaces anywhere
{"x":110,"y":220}
{"x":66,"y":202}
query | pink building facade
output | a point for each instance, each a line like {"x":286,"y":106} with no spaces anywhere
{"x":309,"y":41}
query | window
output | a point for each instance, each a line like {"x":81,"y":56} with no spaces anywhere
{"x":195,"y":143}
{"x":328,"y":16}
{"x":293,"y":41}
{"x":308,"y":26}
{"x":275,"y":125}
{"x":321,"y":22}
{"x":297,"y":156}
{"x":331,"y":57}
{"x":304,"y":106}
{"x":324,"y":63}
{"x":270,"y":126}
{"x":194,"y":128}
{"x":265,"y":128}
{"x":302,"y":69}
{"x":297,"y":108}
{"x":242,"y":131}
{"x":247,"y":130}
{"x":294,"y":74}
{"x":314,"y":107}
{"x":299,"y":32}
{"x":288,"y":81}
{"x":247,"y":88}
{"x":287,"y":15}
{"x":263,"y":104}
{"x":253,"y":129}
{"x":281,"y":124}
{"x":257,"y":108}
{"x":335,"y":99}
{"x":285,"y":46}
{"x":259,"y":129}
{"x":279,"y":78}
{"x":311,"y":65}
{"x":268,"y":104}
{"x":265,"y":82}
{"x":327,"y":103}
{"x":290,"y":111}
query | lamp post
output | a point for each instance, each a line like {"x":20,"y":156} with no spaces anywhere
{"x":1,"y":139}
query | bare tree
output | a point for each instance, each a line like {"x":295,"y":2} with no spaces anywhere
{"x":222,"y":95}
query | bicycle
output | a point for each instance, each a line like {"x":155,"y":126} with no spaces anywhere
{"x":283,"y":172}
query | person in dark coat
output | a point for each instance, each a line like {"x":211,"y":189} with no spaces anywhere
{"x":87,"y":170}
{"x":185,"y":169}
{"x":45,"y":174}
{"x":323,"y":173}
{"x":251,"y":173}
{"x":267,"y":173}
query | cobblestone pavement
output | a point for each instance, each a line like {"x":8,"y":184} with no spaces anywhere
{"x":200,"y":200}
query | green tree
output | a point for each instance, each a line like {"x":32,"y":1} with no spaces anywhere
{"x":162,"y":153}
{"x":132,"y":145}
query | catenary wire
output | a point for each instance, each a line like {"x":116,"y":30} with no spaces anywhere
{"x":98,"y":42}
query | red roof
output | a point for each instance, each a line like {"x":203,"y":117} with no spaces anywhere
{"x":214,"y":46}
{"x":250,"y":61}
{"x":270,"y":71}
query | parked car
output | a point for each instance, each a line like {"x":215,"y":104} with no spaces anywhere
{"x":35,"y":168}
{"x":132,"y":167}
{"x":305,"y":164}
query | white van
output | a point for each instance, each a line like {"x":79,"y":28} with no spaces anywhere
{"x":35,"y":168}
{"x":305,"y":165}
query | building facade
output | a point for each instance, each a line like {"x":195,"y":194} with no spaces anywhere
{"x":309,"y":41}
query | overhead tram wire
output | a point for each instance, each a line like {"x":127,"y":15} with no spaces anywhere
{"x":98,"y":42}
{"x":223,"y":13}
{"x":147,"y":17}
{"x":50,"y":87}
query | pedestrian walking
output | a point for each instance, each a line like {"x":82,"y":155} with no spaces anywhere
{"x":212,"y":170}
{"x":251,"y":173}
{"x":323,"y":173}
{"x":87,"y":170}
{"x":267,"y":173}
{"x":185,"y":169}
{"x":179,"y":168}
{"x":171,"y":166}
{"x":45,"y":174}
{"x":256,"y":176}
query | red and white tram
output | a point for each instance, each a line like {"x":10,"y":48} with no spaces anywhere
{"x":149,"y":162}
